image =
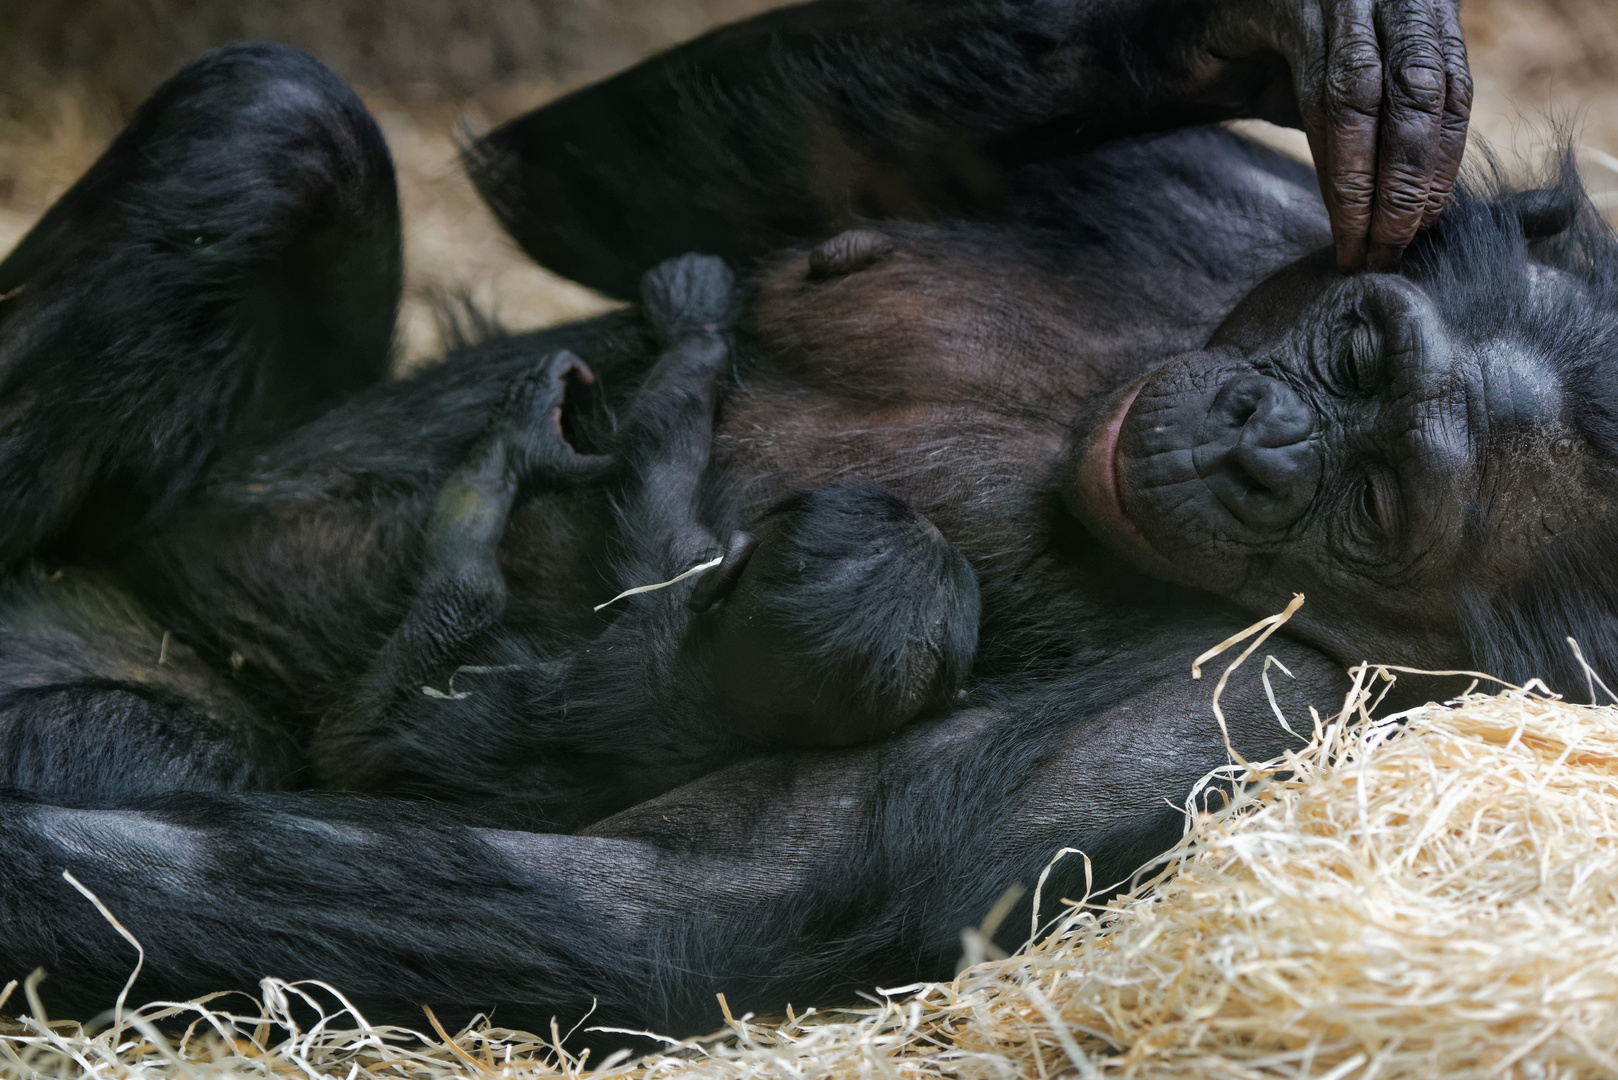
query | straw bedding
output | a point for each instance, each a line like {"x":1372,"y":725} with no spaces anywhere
{"x":1437,"y":897}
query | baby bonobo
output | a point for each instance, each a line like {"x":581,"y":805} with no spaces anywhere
{"x":836,"y":617}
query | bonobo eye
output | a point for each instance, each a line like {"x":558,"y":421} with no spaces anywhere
{"x":1377,"y":512}
{"x":1357,"y":365}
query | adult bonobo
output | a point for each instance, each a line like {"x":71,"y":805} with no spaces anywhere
{"x":971,"y":349}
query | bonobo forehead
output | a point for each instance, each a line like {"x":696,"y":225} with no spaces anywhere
{"x":1388,"y":444}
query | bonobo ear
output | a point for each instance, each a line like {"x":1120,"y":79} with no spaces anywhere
{"x":717,"y":583}
{"x":1544,"y":212}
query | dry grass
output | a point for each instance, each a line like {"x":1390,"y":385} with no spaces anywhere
{"x":1437,"y":897}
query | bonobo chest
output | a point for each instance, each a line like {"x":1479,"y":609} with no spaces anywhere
{"x":941,"y":361}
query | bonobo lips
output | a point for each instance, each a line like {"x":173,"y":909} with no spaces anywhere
{"x":1092,"y":493}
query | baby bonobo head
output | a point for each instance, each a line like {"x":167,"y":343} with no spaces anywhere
{"x":1431,"y":456}
{"x":839,"y":616}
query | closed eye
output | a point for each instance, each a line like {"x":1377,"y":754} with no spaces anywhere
{"x":1379,"y":506}
{"x":1360,"y":356}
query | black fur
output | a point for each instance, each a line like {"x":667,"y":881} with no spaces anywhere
{"x":801,"y":122}
{"x":1514,"y":238}
{"x":594,"y":809}
{"x":172,"y":301}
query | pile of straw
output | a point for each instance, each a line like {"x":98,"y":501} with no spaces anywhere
{"x":1437,"y":897}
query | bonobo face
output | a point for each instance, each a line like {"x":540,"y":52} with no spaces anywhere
{"x":1341,"y":438}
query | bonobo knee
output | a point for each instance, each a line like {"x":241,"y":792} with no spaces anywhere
{"x":844,"y":615}
{"x":254,"y":167}
{"x":251,"y":142}
{"x":247,"y":112}
{"x":231,"y":264}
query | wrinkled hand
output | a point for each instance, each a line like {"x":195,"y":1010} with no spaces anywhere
{"x":1382,"y":89}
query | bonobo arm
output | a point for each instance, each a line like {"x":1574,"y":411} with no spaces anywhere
{"x":794,"y":878}
{"x":795,"y":123}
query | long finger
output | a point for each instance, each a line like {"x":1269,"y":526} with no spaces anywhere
{"x":1457,"y":108}
{"x":1353,"y":98}
{"x":1413,"y":93}
{"x":1308,"y":48}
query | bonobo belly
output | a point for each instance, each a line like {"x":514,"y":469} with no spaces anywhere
{"x":932,"y":361}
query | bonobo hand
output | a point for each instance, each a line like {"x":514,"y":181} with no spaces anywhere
{"x":1381,"y":88}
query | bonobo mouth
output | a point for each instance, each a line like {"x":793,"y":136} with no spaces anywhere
{"x":1094,"y":494}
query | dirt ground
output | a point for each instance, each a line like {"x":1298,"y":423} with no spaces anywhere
{"x":70,"y":71}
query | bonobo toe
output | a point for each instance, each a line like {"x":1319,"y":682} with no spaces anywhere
{"x":848,"y":616}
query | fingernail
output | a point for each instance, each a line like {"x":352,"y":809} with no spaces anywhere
{"x":1384,"y":257}
{"x":1351,"y":253}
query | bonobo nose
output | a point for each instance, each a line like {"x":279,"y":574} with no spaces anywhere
{"x":1253,"y":452}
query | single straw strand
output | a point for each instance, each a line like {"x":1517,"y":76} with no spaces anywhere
{"x":695,"y":570}
{"x":1268,"y":626}
{"x":140,"y":953}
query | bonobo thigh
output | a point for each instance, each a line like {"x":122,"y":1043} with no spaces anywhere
{"x":231,"y":262}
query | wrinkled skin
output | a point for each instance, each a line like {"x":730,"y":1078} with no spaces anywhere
{"x":1383,"y":92}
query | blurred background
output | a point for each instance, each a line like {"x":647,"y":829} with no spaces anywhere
{"x":431,"y":70}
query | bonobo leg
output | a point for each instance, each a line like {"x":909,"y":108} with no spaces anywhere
{"x":98,"y":705}
{"x":795,"y":878}
{"x":461,"y":591}
{"x":232,"y":262}
{"x":517,"y":732}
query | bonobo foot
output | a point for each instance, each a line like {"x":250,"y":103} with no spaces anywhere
{"x":841,"y":616}
{"x":528,"y":424}
{"x":460,"y":591}
{"x":688,"y":296}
